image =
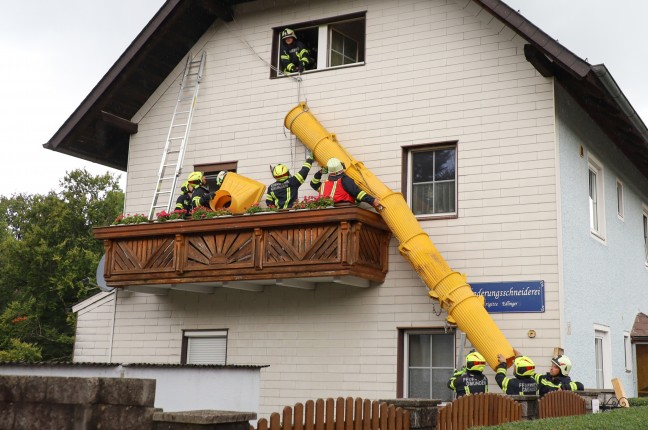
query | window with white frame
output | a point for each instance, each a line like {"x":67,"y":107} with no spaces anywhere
{"x":596,"y":198}
{"x":627,"y":346}
{"x":204,"y":347}
{"x":432,"y":179}
{"x":602,"y":356}
{"x":332,"y":42}
{"x":620,"y":203}
{"x":429,"y":364}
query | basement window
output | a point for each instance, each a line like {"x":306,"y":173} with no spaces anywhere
{"x":204,"y":347}
{"x":332,"y":42}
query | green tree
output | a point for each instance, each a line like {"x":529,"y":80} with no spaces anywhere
{"x":47,"y":251}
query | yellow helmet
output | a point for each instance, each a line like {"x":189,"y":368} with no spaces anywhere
{"x":288,"y":33}
{"x":195,"y":177}
{"x":524,"y":366}
{"x":280,"y":172}
{"x":475,"y":362}
{"x":334,"y":166}
{"x":185,"y":187}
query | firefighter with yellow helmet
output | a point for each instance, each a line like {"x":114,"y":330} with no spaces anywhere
{"x":470,"y":379}
{"x":524,"y":383}
{"x":183,"y":202}
{"x":283,"y":193}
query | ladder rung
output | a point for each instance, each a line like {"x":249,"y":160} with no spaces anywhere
{"x":163,"y":192}
{"x":179,"y":125}
{"x":176,"y":138}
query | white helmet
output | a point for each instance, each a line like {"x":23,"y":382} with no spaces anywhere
{"x":288,"y":33}
{"x":220,"y":178}
{"x":563,"y":363}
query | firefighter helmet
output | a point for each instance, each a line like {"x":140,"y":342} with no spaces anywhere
{"x":185,"y":187}
{"x":475,"y":362}
{"x":524,"y":366}
{"x":195,"y":177}
{"x":563,"y":363}
{"x":220,"y":177}
{"x":288,"y":33}
{"x":334,"y":166}
{"x":280,"y":172}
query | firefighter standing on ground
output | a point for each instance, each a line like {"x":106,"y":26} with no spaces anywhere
{"x":339,"y":186}
{"x":523,"y":384}
{"x":284,"y":193}
{"x":557,"y":378}
{"x":295,"y":57}
{"x":470,"y":379}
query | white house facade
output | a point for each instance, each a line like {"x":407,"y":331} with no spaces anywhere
{"x":427,"y":80}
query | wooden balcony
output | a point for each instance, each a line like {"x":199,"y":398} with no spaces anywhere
{"x":300,"y":249}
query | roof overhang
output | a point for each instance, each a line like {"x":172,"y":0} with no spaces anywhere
{"x":592,"y":86}
{"x":99,"y":129}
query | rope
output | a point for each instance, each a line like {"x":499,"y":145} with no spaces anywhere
{"x":297,"y":78}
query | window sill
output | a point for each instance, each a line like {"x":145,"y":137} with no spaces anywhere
{"x":309,"y":72}
{"x":435,"y":217}
{"x":596,"y":236}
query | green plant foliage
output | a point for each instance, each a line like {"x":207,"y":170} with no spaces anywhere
{"x":638,"y":401}
{"x":618,"y":419}
{"x":21,"y":351}
{"x":47,"y":253}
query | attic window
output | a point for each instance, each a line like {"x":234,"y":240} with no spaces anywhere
{"x":332,"y":43}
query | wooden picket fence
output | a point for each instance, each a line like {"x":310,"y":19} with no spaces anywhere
{"x":483,"y":409}
{"x":340,"y":414}
{"x":561,"y":404}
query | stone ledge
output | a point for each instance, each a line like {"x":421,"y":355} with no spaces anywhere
{"x":204,"y":416}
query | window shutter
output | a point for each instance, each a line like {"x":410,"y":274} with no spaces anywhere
{"x":206,"y":348}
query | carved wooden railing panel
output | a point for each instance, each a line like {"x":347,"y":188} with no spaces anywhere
{"x":236,"y":249}
{"x":302,"y":243}
{"x":337,"y":243}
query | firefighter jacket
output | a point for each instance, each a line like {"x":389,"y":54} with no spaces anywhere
{"x":284,"y":194}
{"x":548,"y":383}
{"x":183,"y":203}
{"x":294,"y":57}
{"x":465,"y":382}
{"x":201,"y":197}
{"x":340,"y":188}
{"x":520,"y":385}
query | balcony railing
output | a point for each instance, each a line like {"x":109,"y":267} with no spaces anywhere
{"x":300,"y":249}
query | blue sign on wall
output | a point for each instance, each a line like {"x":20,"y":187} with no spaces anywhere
{"x":522,"y":296}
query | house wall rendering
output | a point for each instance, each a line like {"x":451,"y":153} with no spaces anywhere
{"x":604,"y":274}
{"x":434,"y":71}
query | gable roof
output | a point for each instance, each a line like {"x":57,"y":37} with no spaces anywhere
{"x":99,"y":129}
{"x":639,"y":331}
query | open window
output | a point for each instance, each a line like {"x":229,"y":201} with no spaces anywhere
{"x":211,"y":171}
{"x":331,"y":43}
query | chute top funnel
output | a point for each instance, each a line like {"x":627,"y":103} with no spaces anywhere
{"x":237,"y":193}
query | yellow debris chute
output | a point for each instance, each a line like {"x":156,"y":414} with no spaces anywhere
{"x":447,"y":286}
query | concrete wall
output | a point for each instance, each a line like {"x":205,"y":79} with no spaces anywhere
{"x":435,"y":71}
{"x":176,"y":388}
{"x":604,"y":281}
{"x":31,"y":402}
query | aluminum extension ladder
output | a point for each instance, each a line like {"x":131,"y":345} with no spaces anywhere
{"x":176,"y":141}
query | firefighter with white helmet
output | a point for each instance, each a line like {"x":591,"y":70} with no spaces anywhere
{"x":470,"y":379}
{"x":524,"y":383}
{"x":294,"y":57}
{"x":340,"y":187}
{"x":557,"y":378}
